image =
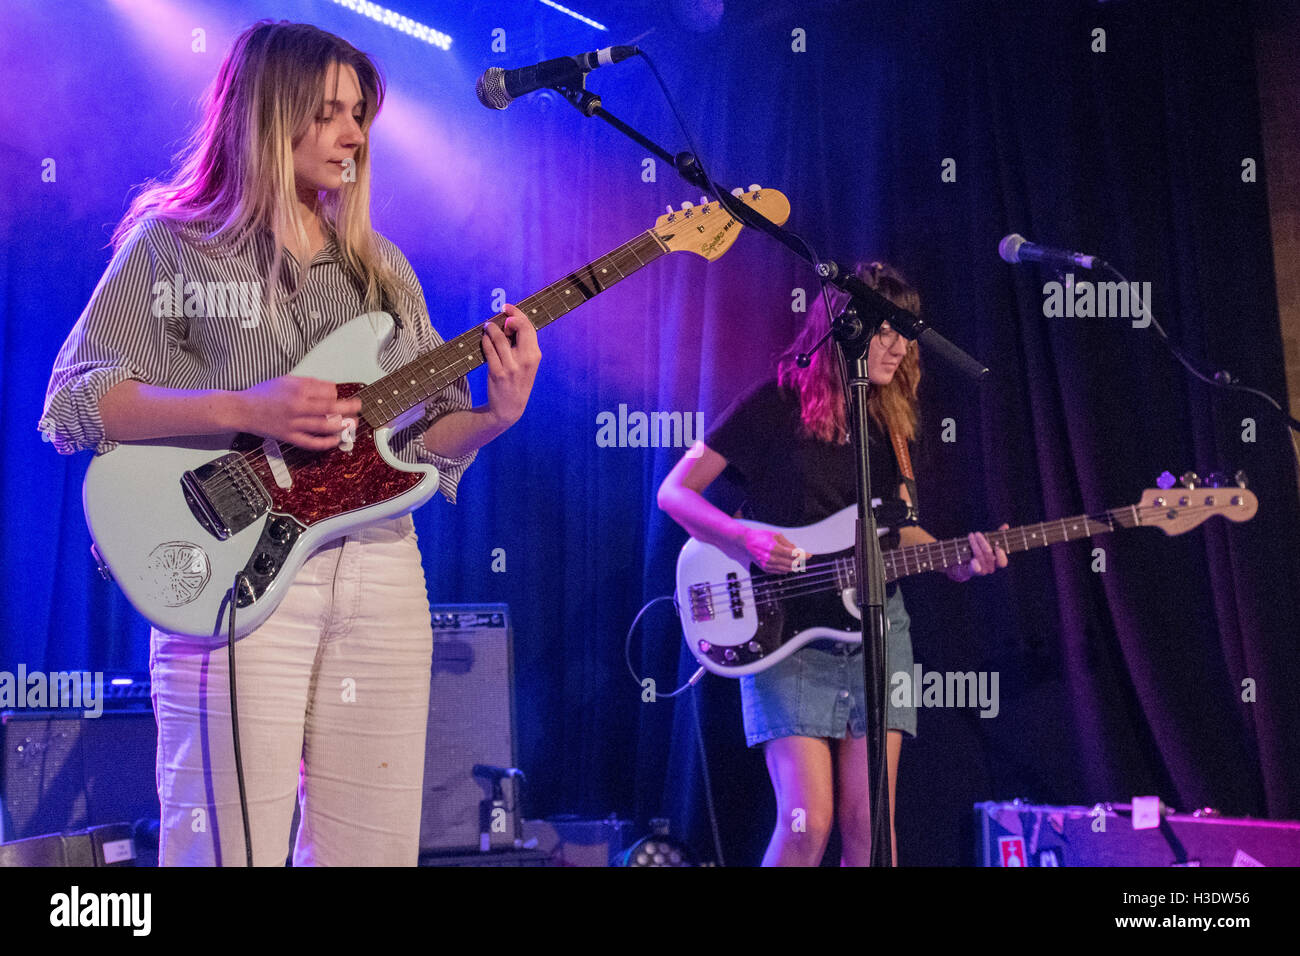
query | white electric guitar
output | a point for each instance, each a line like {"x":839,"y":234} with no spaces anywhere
{"x":174,"y":521}
{"x":738,"y":620}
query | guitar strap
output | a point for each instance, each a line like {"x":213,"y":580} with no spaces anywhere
{"x":904,"y":460}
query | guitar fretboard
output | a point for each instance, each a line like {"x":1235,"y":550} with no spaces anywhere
{"x":938,"y":555}
{"x":417,"y":381}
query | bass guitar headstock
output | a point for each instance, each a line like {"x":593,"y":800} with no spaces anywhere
{"x":1178,"y":509}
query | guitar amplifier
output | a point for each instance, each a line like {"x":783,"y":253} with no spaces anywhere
{"x":61,"y":771}
{"x":471,"y":721}
{"x":110,"y":845}
{"x":1022,"y":834}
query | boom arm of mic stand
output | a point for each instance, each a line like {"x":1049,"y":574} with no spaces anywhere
{"x":879,"y":308}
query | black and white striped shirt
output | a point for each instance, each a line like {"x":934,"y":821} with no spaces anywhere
{"x":145,"y":321}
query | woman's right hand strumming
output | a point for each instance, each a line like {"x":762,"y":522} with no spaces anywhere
{"x":302,"y":411}
{"x":771,"y":550}
{"x":681,"y":497}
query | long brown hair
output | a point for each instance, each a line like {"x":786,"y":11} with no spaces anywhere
{"x":236,"y":170}
{"x":819,"y":386}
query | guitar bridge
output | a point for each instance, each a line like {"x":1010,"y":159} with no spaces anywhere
{"x":225,"y":495}
{"x":701,"y":599}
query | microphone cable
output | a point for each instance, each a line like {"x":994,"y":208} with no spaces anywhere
{"x":725,"y":199}
{"x":1220,"y":379}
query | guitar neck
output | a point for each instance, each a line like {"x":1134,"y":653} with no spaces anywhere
{"x":419,"y":380}
{"x":938,"y":555}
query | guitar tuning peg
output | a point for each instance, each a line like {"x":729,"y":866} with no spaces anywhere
{"x":1165,"y":481}
{"x":755,"y":187}
{"x":671,"y":215}
{"x":1239,"y":478}
{"x":687,"y":204}
{"x":738,"y":192}
{"x":1189,"y":480}
{"x":704,"y":201}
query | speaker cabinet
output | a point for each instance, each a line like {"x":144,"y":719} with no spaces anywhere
{"x":111,"y":845}
{"x":60,"y":771}
{"x":471,"y":721}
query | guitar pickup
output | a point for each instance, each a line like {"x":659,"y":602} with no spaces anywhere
{"x":733,"y":594}
{"x":701,"y":599}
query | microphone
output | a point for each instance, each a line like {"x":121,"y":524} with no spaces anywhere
{"x":497,"y":87}
{"x":1015,"y":249}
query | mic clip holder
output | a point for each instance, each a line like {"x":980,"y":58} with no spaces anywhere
{"x":584,"y":101}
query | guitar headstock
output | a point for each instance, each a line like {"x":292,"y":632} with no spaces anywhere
{"x":1176,"y":510}
{"x":1190,"y":479}
{"x":708,"y":230}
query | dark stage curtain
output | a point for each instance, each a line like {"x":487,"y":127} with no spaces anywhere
{"x":1112,"y":683}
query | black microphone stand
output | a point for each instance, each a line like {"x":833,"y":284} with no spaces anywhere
{"x":853,"y":338}
{"x":853,"y":330}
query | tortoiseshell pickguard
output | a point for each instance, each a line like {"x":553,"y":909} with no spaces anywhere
{"x":329,"y":483}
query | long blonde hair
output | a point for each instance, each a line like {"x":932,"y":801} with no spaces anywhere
{"x":236,"y":170}
{"x":819,"y":386}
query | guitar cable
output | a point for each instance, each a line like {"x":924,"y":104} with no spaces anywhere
{"x":695,"y":709}
{"x":627,"y":649}
{"x":234,"y":723}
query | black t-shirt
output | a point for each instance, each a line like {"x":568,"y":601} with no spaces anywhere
{"x":789,"y":477}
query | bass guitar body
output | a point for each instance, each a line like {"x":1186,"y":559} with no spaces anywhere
{"x":738,"y":621}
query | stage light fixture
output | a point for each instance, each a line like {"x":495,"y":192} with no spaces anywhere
{"x":577,"y":16}
{"x":395,"y":20}
{"x":657,"y":849}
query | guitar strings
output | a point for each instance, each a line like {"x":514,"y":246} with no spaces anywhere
{"x":825,"y":576}
{"x":546,"y":298}
{"x":294,"y":456}
{"x":644,"y":248}
{"x":797,"y":583}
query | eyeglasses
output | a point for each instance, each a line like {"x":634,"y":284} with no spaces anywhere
{"x":887,"y":336}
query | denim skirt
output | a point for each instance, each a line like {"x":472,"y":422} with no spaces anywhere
{"x":818,"y":692}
